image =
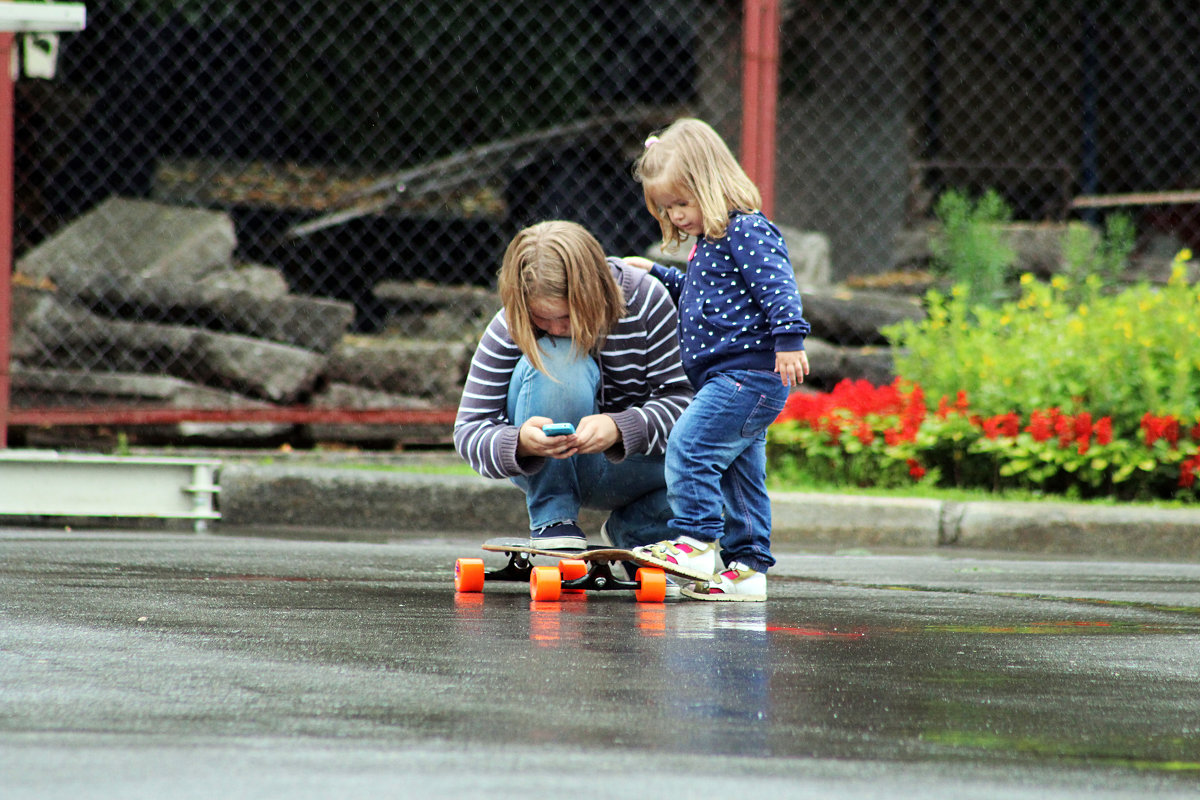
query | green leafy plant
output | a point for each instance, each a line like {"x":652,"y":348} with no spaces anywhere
{"x":1120,"y":355}
{"x":970,"y":248}
{"x":1090,"y":261}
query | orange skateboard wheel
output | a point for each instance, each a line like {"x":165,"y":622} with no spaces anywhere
{"x":570,"y":569}
{"x":545,"y":583}
{"x":468,"y":575}
{"x":652,"y":585}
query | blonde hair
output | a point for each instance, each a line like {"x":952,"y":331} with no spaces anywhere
{"x":690,"y":157}
{"x":559,"y":260}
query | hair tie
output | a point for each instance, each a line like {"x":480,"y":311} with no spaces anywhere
{"x":651,"y":140}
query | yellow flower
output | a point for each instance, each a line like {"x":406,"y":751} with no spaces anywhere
{"x":1026,"y":278}
{"x":1183,"y":255}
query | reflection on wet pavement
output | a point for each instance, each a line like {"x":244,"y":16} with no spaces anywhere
{"x":897,"y":674}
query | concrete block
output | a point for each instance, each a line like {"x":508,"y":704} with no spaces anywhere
{"x":836,"y":521}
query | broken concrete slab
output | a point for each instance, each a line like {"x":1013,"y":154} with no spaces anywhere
{"x":153,"y":240}
{"x":49,"y":388}
{"x":425,"y":310}
{"x":348,"y":396}
{"x":68,"y":337}
{"x":856,"y":318}
{"x":426,"y":369}
{"x":831,"y":363}
{"x":215,"y":303}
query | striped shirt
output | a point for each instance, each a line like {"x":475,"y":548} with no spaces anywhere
{"x":643,"y":387}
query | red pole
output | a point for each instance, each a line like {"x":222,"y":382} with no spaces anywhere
{"x":6,"y":226}
{"x":760,"y":86}
{"x":751,"y":18}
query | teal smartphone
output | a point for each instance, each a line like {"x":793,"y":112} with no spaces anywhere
{"x":558,"y":429}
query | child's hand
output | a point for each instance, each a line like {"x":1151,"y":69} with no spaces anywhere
{"x":531,"y":441}
{"x":639,"y":262}
{"x":596,"y":433}
{"x":792,"y":366}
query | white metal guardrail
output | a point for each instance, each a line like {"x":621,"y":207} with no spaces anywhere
{"x":49,"y":483}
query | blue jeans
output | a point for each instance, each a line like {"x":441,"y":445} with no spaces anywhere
{"x":634,"y":490}
{"x":717,"y":465}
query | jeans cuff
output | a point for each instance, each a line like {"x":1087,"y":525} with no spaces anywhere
{"x":753,"y":563}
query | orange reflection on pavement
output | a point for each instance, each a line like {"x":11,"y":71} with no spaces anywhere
{"x":546,"y":619}
{"x":651,"y":619}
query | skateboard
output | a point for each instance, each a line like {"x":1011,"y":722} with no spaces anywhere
{"x":597,"y":568}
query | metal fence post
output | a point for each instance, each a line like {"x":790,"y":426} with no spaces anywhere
{"x":6,"y":224}
{"x":760,"y":83}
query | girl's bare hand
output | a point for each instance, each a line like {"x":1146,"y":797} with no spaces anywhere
{"x":531,"y":441}
{"x":596,"y":433}
{"x":792,"y":366}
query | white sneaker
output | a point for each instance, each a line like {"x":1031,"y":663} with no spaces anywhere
{"x":685,"y":555}
{"x":737,"y":583}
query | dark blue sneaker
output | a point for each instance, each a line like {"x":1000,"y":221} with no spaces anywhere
{"x":563,"y":536}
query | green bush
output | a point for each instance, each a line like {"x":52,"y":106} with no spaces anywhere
{"x":1041,"y":394}
{"x":1119,"y":356}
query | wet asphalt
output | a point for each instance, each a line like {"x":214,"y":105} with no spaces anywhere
{"x":139,"y":664}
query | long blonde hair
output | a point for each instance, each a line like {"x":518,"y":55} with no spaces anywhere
{"x":690,"y":157}
{"x":559,"y":260}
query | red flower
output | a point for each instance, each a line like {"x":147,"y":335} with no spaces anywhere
{"x":1155,"y":428}
{"x":1083,"y":432}
{"x":1187,"y":472}
{"x":1064,"y":428}
{"x":915,"y":469}
{"x":1104,"y":431}
{"x":1041,"y":426}
{"x":1008,"y":425}
{"x":1171,"y":433}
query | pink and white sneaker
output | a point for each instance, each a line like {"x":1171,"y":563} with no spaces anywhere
{"x":736,"y":583}
{"x":685,"y":555}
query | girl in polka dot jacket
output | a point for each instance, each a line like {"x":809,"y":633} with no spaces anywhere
{"x":742,"y":334}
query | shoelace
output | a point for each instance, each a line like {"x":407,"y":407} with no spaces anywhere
{"x":664,"y":548}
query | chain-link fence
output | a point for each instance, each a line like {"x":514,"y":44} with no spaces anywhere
{"x":236,"y":204}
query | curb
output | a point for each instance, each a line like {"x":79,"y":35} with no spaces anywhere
{"x":412,"y":503}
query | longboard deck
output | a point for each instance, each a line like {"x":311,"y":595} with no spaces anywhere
{"x":607,"y":554}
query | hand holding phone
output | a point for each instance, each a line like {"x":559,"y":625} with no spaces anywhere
{"x":558,"y":429}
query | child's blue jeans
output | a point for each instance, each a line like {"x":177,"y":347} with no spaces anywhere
{"x":634,"y":489}
{"x":717,"y":465}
